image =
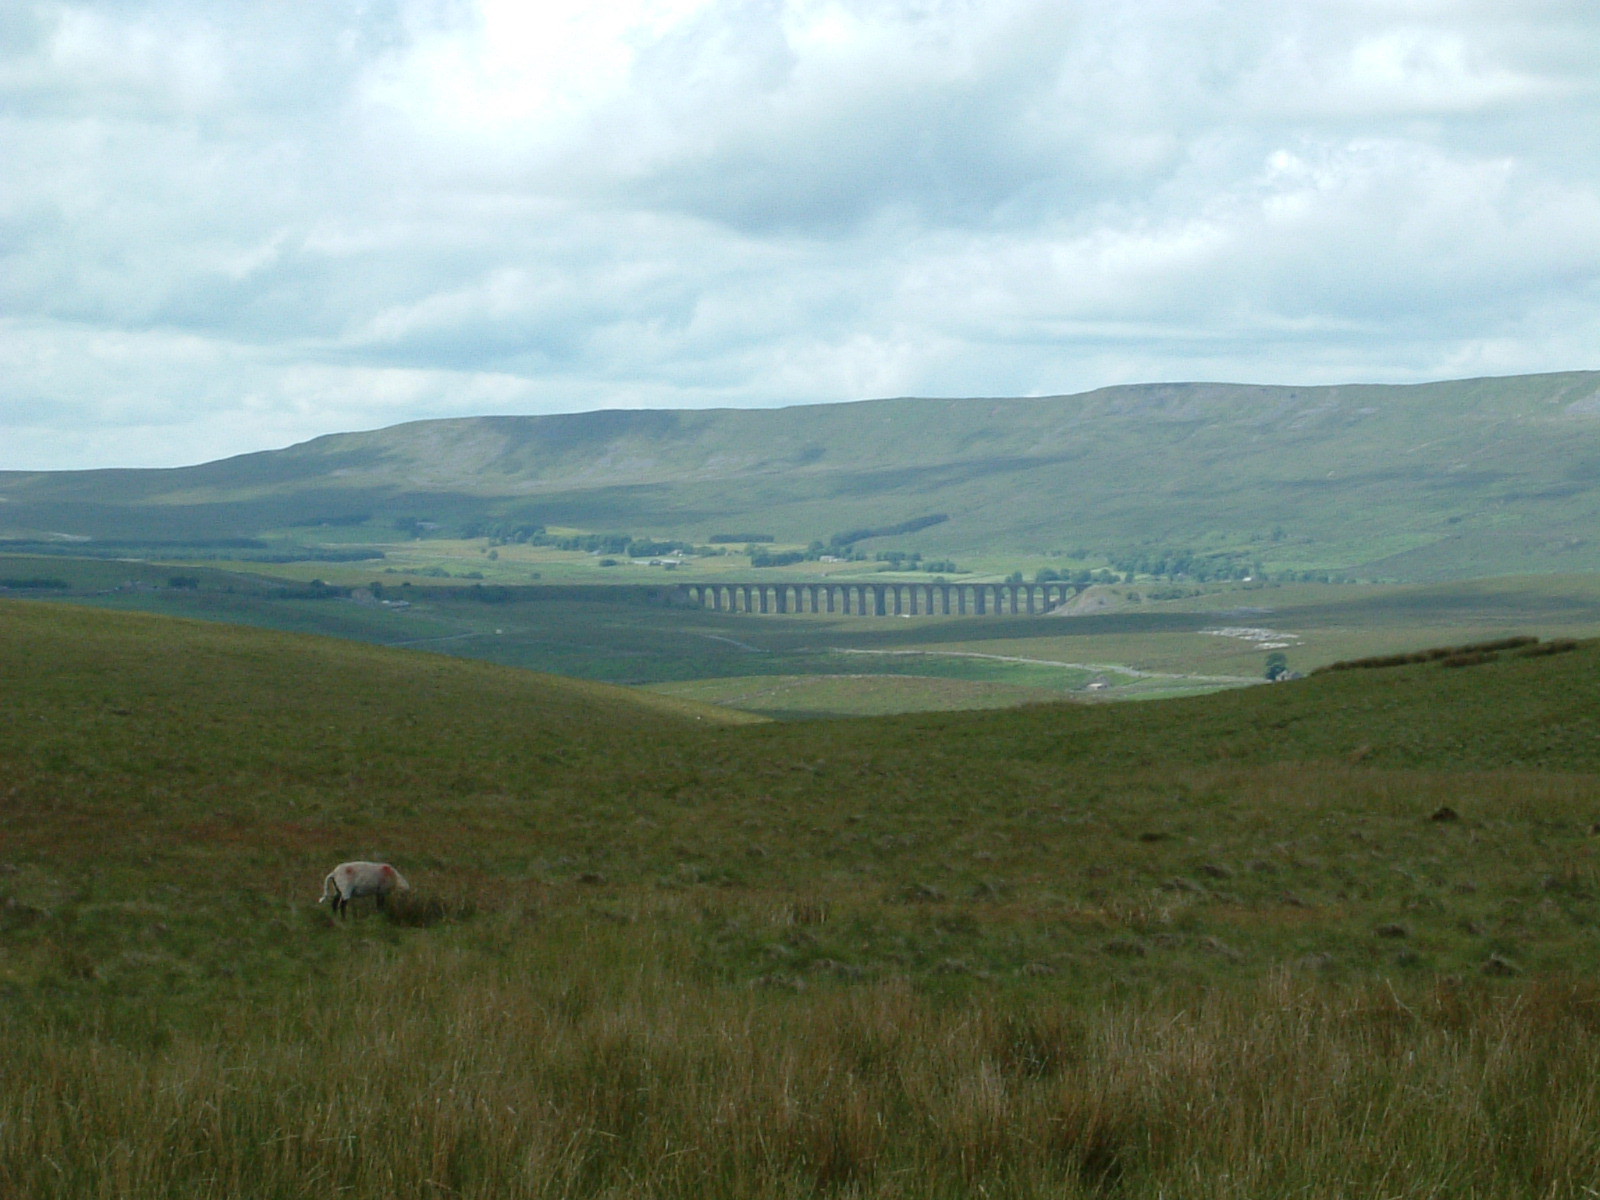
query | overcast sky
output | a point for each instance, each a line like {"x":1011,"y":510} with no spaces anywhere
{"x":228,"y":226}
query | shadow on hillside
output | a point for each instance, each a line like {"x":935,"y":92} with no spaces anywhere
{"x":923,"y":631}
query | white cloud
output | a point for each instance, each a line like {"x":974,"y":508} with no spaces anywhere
{"x":225,"y":226}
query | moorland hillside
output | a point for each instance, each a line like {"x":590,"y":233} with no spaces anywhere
{"x":1324,"y":938}
{"x":1440,"y":480}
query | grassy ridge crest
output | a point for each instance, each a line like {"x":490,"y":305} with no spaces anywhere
{"x":1440,"y":480}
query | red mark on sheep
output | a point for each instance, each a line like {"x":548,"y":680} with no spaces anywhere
{"x":351,"y":880}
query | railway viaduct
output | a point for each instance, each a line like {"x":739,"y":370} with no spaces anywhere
{"x":879,"y":599}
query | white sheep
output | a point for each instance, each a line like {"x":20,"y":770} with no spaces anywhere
{"x":349,"y":880}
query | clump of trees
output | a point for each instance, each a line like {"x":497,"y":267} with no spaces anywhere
{"x":1173,"y":565}
{"x":317,"y":589}
{"x":626,"y":545}
{"x":783,"y":558}
{"x":1311,"y":577}
{"x":1184,"y":565}
{"x":912,"y":560}
{"x":895,"y":560}
{"x":1081,"y":577}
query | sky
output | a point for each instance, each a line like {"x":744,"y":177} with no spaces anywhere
{"x":230,"y":226}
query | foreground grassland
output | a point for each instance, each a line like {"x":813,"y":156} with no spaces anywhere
{"x":1214,"y":947}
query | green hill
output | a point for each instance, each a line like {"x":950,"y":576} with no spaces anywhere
{"x":1313,"y":939}
{"x":110,"y":709}
{"x":1516,"y":712}
{"x":139,"y":720}
{"x":1440,"y":480}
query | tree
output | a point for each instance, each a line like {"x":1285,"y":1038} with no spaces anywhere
{"x":1277,"y":665}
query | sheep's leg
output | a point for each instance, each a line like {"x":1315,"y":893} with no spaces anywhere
{"x":382,"y":901}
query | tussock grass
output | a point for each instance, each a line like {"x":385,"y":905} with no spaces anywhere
{"x":607,"y":1075}
{"x":1212,"y":948}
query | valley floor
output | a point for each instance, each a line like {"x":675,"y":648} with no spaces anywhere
{"x":810,"y":666}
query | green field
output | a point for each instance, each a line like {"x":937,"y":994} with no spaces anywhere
{"x":799,"y":696}
{"x":1328,"y":938}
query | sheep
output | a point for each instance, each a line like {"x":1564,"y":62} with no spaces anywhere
{"x":349,"y":880}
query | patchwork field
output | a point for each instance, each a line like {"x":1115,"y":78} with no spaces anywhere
{"x":835,"y":665}
{"x":1329,"y":938}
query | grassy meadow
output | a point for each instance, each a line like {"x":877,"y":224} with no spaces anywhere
{"x":798,"y":697}
{"x":1329,"y":938}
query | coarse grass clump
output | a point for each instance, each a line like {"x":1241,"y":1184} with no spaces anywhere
{"x":433,"y":1068}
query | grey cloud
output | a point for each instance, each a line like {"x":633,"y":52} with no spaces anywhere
{"x":228,"y":223}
